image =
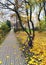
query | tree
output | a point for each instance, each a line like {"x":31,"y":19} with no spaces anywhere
{"x":41,"y":5}
{"x":15,"y":9}
{"x":8,"y":23}
{"x":44,"y":5}
{"x":16,"y":2}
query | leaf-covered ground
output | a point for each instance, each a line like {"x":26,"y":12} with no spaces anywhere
{"x":36,"y":55}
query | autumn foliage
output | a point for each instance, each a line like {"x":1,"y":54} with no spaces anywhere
{"x":36,"y":55}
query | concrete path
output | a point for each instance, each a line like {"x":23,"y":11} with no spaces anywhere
{"x":10,"y":53}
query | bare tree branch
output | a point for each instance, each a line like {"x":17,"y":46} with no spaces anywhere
{"x":41,"y":7}
{"x":11,"y":2}
{"x":5,"y":5}
{"x":21,"y":4}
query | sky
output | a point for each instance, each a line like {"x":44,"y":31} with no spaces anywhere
{"x":7,"y":13}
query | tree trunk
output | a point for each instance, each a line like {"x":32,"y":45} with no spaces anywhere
{"x":16,"y":2}
{"x":44,"y":4}
{"x":39,"y":16}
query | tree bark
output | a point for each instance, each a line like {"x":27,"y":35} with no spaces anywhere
{"x":16,"y":2}
{"x":44,"y":5}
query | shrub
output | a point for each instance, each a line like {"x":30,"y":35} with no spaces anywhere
{"x":0,"y":36}
{"x":8,"y":23}
{"x":41,"y":26}
{"x":4,"y":28}
{"x":1,"y":31}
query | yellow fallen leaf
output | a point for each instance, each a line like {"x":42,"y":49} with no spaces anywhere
{"x":0,"y":62}
{"x":11,"y":64}
{"x":7,"y":57}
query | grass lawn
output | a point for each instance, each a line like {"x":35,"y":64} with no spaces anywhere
{"x":36,"y":55}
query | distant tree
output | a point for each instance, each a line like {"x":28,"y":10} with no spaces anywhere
{"x":8,"y":23}
{"x":7,"y":5}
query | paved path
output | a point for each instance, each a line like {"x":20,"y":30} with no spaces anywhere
{"x":10,"y":53}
